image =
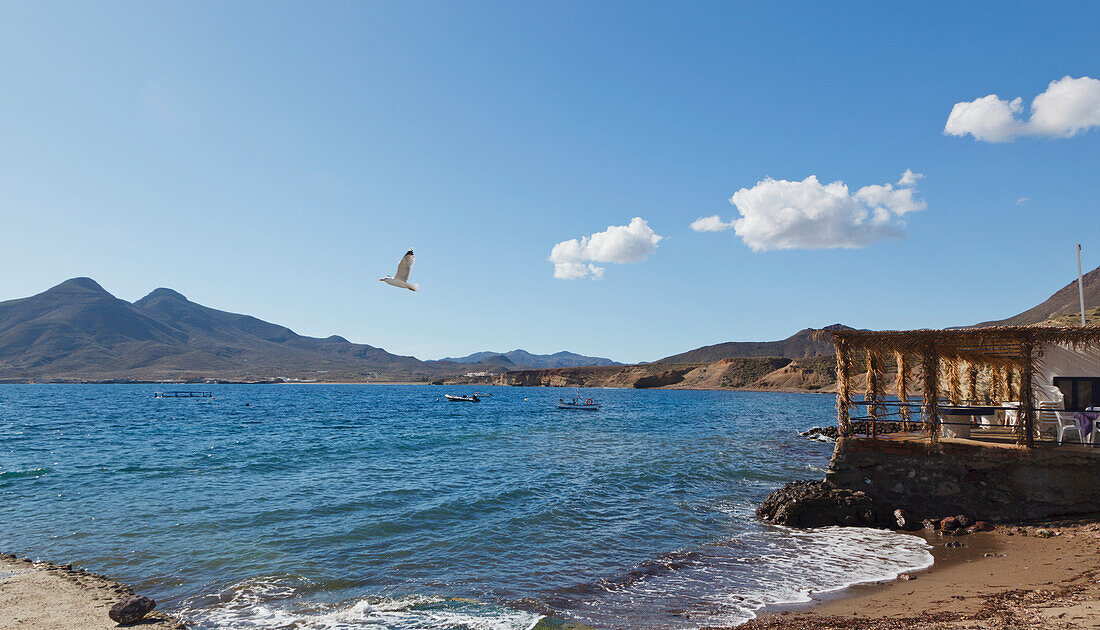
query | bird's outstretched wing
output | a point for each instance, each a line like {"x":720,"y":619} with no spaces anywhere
{"x":404,"y":267}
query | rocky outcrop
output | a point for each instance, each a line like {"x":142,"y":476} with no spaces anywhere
{"x":832,"y":432}
{"x":663,"y":379}
{"x":817,"y":504}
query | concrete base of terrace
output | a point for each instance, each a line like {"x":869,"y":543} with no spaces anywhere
{"x":991,"y":480}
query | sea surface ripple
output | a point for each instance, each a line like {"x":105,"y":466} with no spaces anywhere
{"x":373,"y":506}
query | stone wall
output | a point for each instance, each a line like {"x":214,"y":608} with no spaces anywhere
{"x":993,"y":483}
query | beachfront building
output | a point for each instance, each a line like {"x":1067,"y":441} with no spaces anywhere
{"x":999,"y":423}
{"x":1032,"y":382}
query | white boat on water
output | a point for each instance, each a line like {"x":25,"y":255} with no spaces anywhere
{"x":564,"y":404}
{"x":586,"y":404}
{"x":453,"y":398}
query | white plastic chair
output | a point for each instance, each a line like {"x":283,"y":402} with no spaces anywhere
{"x":1066,"y":423}
{"x":1046,"y":418}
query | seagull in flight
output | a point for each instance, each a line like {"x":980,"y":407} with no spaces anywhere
{"x":401,"y":278}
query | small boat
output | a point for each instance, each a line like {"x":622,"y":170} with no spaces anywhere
{"x":182,"y":394}
{"x":586,"y":404}
{"x":453,"y":398}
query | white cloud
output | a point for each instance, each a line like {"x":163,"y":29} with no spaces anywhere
{"x":909,"y":178}
{"x":617,"y":244}
{"x":780,"y":214}
{"x":1067,"y":107}
{"x":1022,"y":200}
{"x":711,"y":224}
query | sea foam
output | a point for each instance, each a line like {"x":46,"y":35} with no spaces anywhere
{"x":274,"y":602}
{"x":728,"y":582}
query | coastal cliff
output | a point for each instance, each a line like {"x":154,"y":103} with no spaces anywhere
{"x":754,"y":373}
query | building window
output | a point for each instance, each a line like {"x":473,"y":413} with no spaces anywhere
{"x":1079,"y":392}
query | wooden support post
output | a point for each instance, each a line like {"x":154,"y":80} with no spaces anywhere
{"x":930,"y":412}
{"x":873,"y":395}
{"x":901,"y":388}
{"x":843,"y":387}
{"x":1027,"y":396}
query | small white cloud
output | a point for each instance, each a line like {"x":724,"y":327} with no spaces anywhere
{"x":1022,"y":200}
{"x":780,"y":214}
{"x":711,"y":224}
{"x":988,"y":118}
{"x":909,"y":178}
{"x":618,"y":244}
{"x":1067,"y":107}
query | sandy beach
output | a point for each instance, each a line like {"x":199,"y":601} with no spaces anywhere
{"x":1039,"y":576}
{"x":42,"y":596}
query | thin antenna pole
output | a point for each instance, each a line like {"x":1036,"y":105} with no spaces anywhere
{"x":1080,"y":285}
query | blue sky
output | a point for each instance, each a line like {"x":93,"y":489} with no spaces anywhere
{"x":277,"y":159}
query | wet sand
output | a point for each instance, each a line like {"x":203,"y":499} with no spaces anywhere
{"x":41,"y":596}
{"x":1009,"y":578}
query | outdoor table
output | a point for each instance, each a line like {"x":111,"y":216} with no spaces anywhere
{"x":957,"y":420}
{"x":1087,"y":425}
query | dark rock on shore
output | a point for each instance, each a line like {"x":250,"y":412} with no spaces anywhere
{"x":819,"y":433}
{"x":979,"y":526}
{"x":816,"y":504}
{"x":131,"y":610}
{"x":904,"y":519}
{"x":863,"y":427}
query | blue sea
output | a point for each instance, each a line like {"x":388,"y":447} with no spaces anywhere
{"x":385,"y":507}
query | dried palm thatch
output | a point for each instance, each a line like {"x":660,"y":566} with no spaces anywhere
{"x":873,"y":395}
{"x":996,"y":383}
{"x":901,"y":388}
{"x":951,"y":376}
{"x":930,"y":412}
{"x":844,"y":387}
{"x":992,"y":345}
{"x":1012,"y":391}
{"x":971,"y":382}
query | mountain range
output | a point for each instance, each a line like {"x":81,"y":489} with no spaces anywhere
{"x":526,"y":359}
{"x":78,"y":331}
{"x":1065,"y":301}
{"x":800,"y":345}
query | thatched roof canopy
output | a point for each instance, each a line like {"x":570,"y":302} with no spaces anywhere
{"x":997,"y":345}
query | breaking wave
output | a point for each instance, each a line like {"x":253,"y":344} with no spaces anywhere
{"x":275,"y":603}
